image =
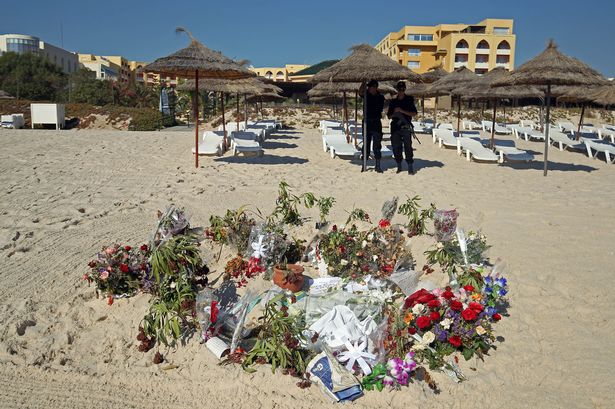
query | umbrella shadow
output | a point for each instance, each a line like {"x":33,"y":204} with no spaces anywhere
{"x":264,"y":160}
{"x":278,"y":145}
{"x":553,"y":166}
{"x":388,"y":165}
{"x":281,"y":136}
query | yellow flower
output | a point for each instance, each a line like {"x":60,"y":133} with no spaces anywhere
{"x":480,"y":330}
{"x":408,"y":318}
{"x":477,"y":297}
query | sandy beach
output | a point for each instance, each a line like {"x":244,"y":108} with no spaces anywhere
{"x":65,"y":194}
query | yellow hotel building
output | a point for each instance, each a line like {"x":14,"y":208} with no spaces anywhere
{"x":278,"y":73}
{"x":479,"y":47}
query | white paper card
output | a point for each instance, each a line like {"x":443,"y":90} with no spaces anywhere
{"x":322,"y":284}
{"x":217,"y":347}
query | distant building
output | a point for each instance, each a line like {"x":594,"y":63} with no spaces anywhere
{"x":20,"y":43}
{"x":278,"y":74}
{"x":479,"y":47}
{"x":138,"y":76}
{"x":104,"y":69}
{"x":305,"y":74}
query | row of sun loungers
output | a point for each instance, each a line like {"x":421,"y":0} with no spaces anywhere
{"x":243,"y":139}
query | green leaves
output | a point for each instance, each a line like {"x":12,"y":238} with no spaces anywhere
{"x":417,"y":218}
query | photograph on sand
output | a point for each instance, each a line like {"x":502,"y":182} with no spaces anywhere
{"x":369,"y":214}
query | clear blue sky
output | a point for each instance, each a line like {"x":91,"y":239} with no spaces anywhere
{"x":272,"y":33}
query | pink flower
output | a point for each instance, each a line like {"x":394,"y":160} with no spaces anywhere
{"x":104,"y":275}
{"x":110,"y":250}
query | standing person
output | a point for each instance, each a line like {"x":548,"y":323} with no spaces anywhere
{"x":373,"y":122}
{"x":401,"y":110}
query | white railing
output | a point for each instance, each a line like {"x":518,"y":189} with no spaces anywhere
{"x":461,"y":64}
{"x":482,"y":51}
{"x":502,"y":52}
{"x":481,"y":65}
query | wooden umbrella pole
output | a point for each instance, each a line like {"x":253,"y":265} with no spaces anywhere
{"x":245,"y":103}
{"x":423,"y":109}
{"x":196,"y":119}
{"x":223,"y":120}
{"x":237,"y":117}
{"x":547,"y":121}
{"x":356,"y":115}
{"x":459,"y":115}
{"x":346,"y":130}
{"x":495,"y":106}
{"x":580,"y":121}
{"x":435,"y":113}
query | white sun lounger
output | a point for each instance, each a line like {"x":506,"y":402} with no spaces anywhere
{"x":474,"y":149}
{"x":566,"y":126}
{"x":600,"y":146}
{"x":211,"y":144}
{"x":259,"y":130}
{"x":564,"y":142}
{"x":499,"y":129}
{"x":444,"y":137}
{"x":604,"y":133}
{"x":342,"y":148}
{"x":607,"y":126}
{"x":245,"y":142}
{"x":519,"y":130}
{"x":529,"y":124}
{"x":274,"y":123}
{"x":509,"y":152}
{"x":446,"y":126}
{"x":470,"y":125}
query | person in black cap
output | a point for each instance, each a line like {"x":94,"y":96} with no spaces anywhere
{"x":373,"y":123}
{"x":401,"y":110}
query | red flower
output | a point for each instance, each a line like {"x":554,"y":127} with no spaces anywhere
{"x":384,"y":223}
{"x":334,"y":227}
{"x":433,"y":303}
{"x":124,"y":268}
{"x":213,"y":316}
{"x":434,"y":316}
{"x":423,"y":322}
{"x":411,"y":330}
{"x":468,"y":288}
{"x":342,"y":249}
{"x":127,"y":248}
{"x":496,"y":317}
{"x":456,"y":305}
{"x":469,"y":314}
{"x":455,"y":341}
{"x":92,"y":264}
{"x":421,"y":296}
{"x":143,"y":247}
{"x":387,"y":268}
{"x":110,"y":300}
{"x":476,"y":306}
{"x":447,"y":294}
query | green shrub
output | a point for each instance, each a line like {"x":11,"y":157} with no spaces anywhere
{"x":146,"y":119}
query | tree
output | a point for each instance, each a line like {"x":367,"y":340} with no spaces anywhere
{"x":30,"y":76}
{"x":85,"y":88}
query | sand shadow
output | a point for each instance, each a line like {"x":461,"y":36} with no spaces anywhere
{"x":281,"y":136}
{"x":553,"y":166}
{"x":278,"y":145}
{"x":389,"y":164}
{"x":264,"y":160}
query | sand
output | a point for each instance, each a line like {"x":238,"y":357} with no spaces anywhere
{"x":65,"y":194}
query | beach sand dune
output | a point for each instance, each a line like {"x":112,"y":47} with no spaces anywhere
{"x":63,"y":195}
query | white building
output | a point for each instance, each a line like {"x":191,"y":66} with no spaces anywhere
{"x":67,"y":61}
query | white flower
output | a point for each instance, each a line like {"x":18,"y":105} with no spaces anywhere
{"x":370,"y":237}
{"x":344,"y":262}
{"x":439,"y":245}
{"x":418,"y":308}
{"x":418,"y":347}
{"x":172,"y":285}
{"x":374,"y":257}
{"x":480,"y":330}
{"x":446,"y":323}
{"x":364,"y":244}
{"x":428,"y":338}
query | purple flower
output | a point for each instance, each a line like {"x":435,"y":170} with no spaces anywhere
{"x":488,"y":280}
{"x":501,"y":282}
{"x":488,"y":290}
{"x":490,"y":311}
{"x":502,"y":292}
{"x":388,"y":381}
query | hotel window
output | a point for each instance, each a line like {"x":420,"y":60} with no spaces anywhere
{"x":414,"y":52}
{"x":504,"y":45}
{"x":462,"y":44}
{"x":502,"y":59}
{"x":414,"y":64}
{"x":483,"y":45}
{"x":501,"y":30}
{"x":420,"y":37}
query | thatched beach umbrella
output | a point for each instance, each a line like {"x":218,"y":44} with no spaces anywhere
{"x":549,"y":68}
{"x":481,"y":88}
{"x":604,"y":95}
{"x":450,"y":83}
{"x":197,"y":61}
{"x":362,"y":65}
{"x":578,"y":94}
{"x":420,"y":90}
{"x":5,"y":95}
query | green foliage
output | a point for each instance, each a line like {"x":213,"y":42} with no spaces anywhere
{"x":29,"y":76}
{"x":357,"y":214}
{"x":85,"y":88}
{"x":278,"y":340}
{"x":417,"y":217}
{"x":232,"y":228}
{"x":146,"y":119}
{"x":325,"y":204}
{"x":375,"y":379}
{"x":287,"y":206}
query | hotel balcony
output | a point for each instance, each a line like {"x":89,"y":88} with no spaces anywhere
{"x":502,"y":64}
{"x":482,"y":51}
{"x":460,"y":50}
{"x":481,"y":65}
{"x":459,"y":64}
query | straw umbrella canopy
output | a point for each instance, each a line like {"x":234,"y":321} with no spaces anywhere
{"x":421,"y":90}
{"x":549,"y":68}
{"x":603,"y":95}
{"x":480,"y":88}
{"x":450,"y":83}
{"x":197,"y":61}
{"x":5,"y":95}
{"x":362,"y":65}
{"x":579,"y":94}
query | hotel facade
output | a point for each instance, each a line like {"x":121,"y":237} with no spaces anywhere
{"x":479,"y":47}
{"x":22,"y":43}
{"x":279,"y":74}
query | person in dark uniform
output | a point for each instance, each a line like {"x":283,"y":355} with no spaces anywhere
{"x":401,"y":110}
{"x":373,"y":123}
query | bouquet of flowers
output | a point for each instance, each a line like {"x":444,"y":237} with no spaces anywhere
{"x":119,"y":270}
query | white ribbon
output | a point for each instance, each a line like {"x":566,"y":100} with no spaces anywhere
{"x":463,"y":244}
{"x":260,"y":248}
{"x":356,"y":354}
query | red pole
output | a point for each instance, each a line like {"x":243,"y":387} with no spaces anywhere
{"x":237,"y":95}
{"x":223,"y":120}
{"x":356,"y":116}
{"x":196,"y":122}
